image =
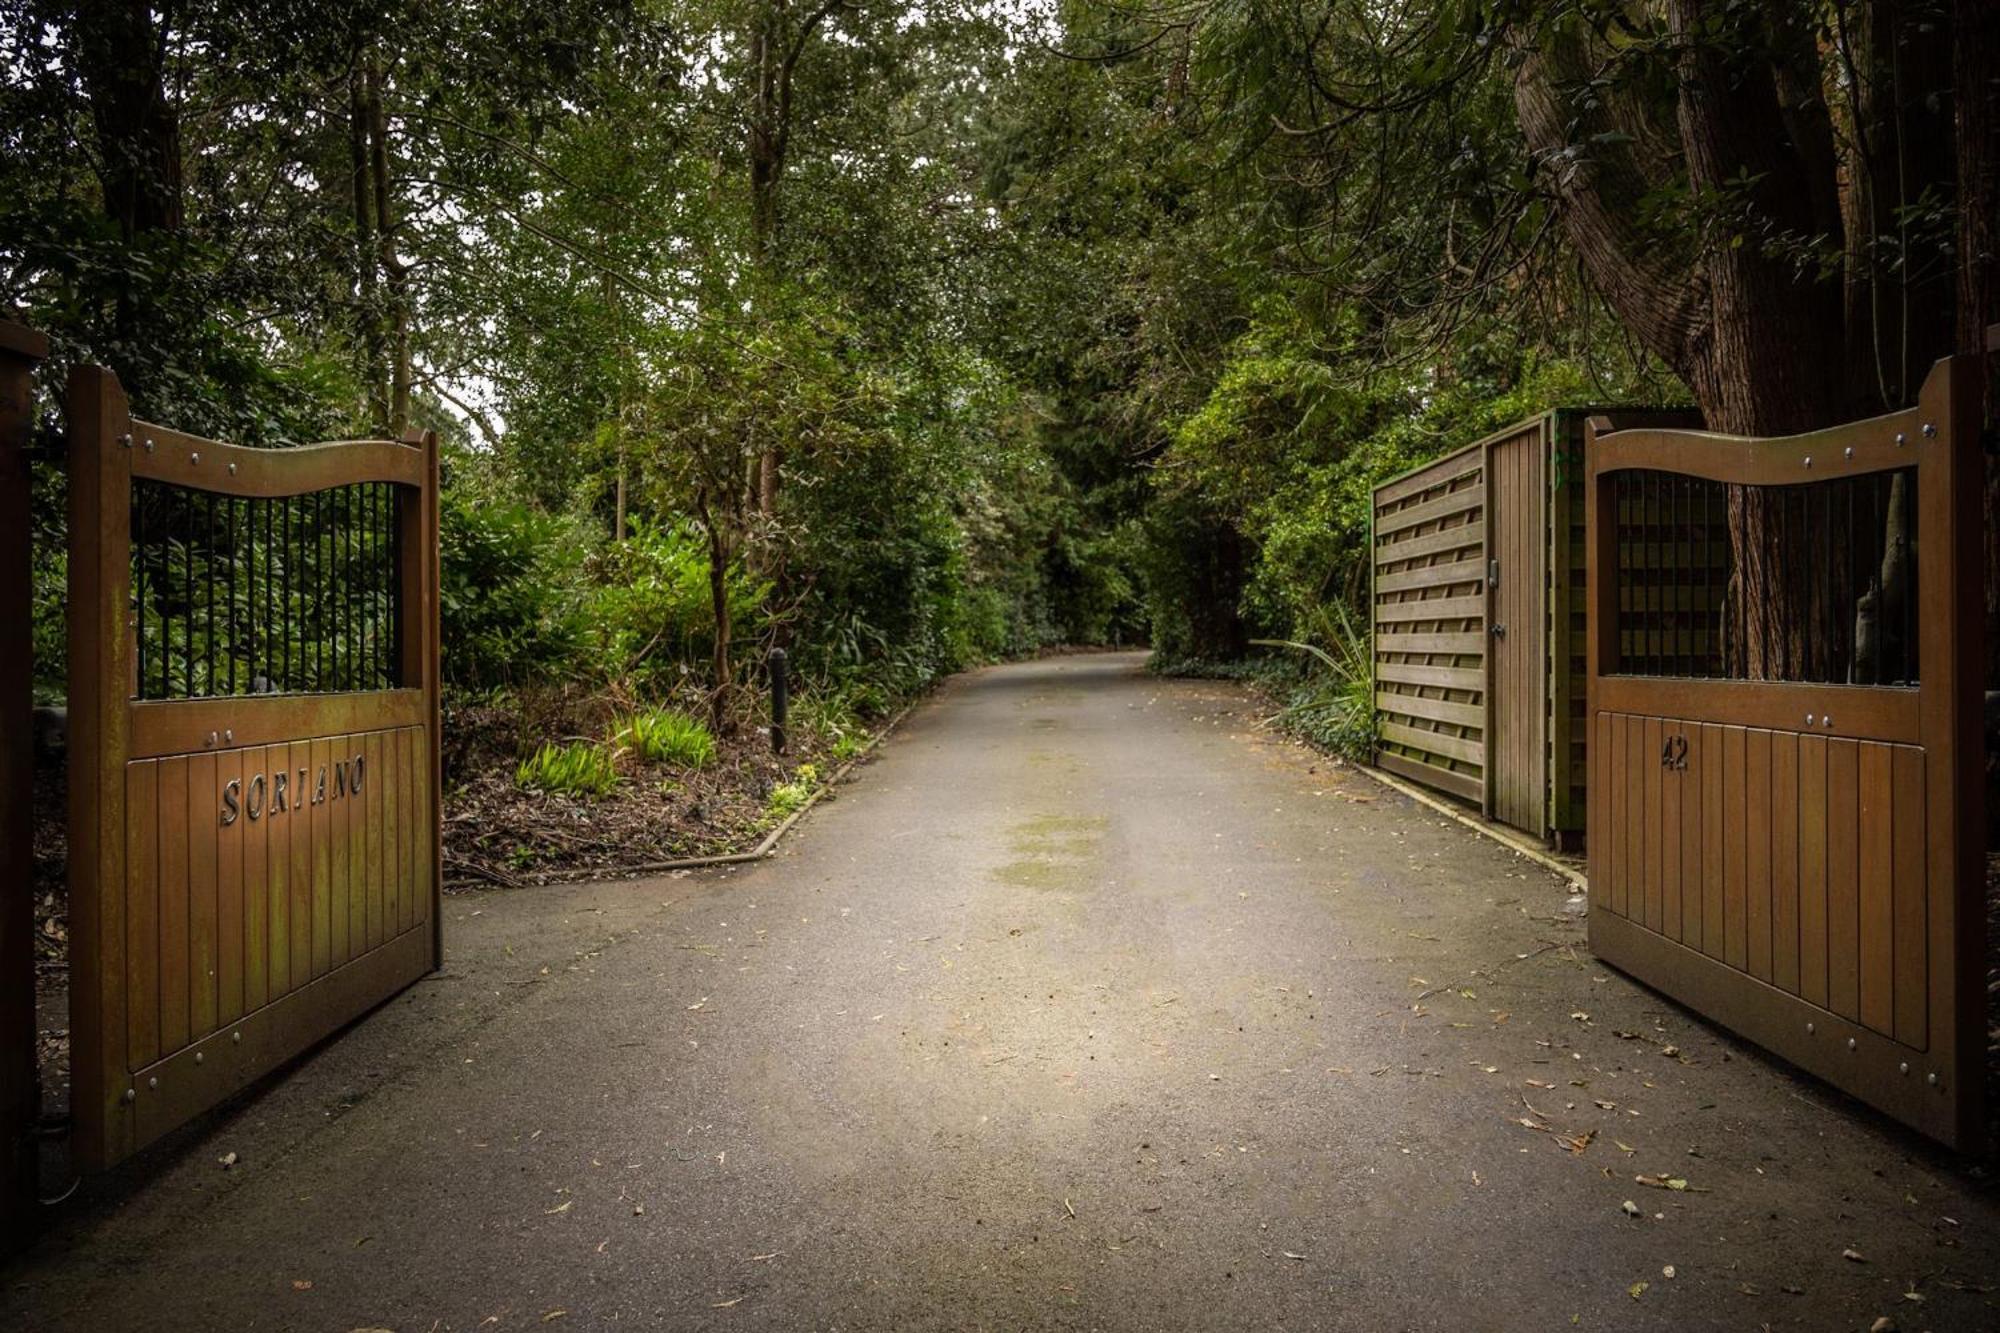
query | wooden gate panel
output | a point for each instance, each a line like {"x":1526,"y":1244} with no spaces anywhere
{"x":234,"y":894}
{"x":1798,"y":857}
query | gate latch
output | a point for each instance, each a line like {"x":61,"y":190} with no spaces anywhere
{"x":1492,"y":573}
{"x":1499,"y":631}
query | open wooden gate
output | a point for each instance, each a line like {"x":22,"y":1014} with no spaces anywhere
{"x":1786,"y":749}
{"x":254,"y":755}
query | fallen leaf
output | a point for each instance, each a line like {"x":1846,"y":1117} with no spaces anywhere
{"x":1630,"y":1209}
{"x":724,"y":1305}
{"x":227,"y":1160}
{"x":1854,"y":1256}
{"x":554,"y":1315}
{"x":1637,"y":1289}
{"x":302,"y":1284}
{"x":1290,"y":1255}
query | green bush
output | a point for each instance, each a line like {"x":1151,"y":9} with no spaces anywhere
{"x":576,"y":769}
{"x":509,"y":607}
{"x":649,"y":609}
{"x":667,"y":736}
{"x":1334,"y":705}
{"x":788,"y":797}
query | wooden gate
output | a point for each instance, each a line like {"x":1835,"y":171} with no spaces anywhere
{"x":1786,"y":749}
{"x":254,"y":755}
{"x":1479,"y":620}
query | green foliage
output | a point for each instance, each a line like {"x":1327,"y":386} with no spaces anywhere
{"x":1334,"y":704}
{"x":509,"y":606}
{"x":579,"y":768}
{"x":667,"y":736}
{"x":788,"y":797}
{"x":647,"y":607}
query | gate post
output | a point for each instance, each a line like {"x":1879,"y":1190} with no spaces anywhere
{"x":20,"y":1083}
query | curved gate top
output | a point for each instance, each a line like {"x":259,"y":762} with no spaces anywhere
{"x":1786,"y":748}
{"x":253,"y":664}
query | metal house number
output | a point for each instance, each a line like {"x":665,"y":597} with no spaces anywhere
{"x":1674,"y":753}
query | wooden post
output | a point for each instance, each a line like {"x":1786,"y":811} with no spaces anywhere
{"x":20,"y":1083}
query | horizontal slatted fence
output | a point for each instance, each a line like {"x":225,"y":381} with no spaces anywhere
{"x":1429,"y":614}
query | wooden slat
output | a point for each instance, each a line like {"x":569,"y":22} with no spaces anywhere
{"x":298,"y":757}
{"x":1877,"y":890}
{"x":321,"y":870}
{"x":256,"y":838}
{"x":1911,"y":964}
{"x":1431,"y":511}
{"x":340,"y":852}
{"x":1431,"y":576}
{"x":1870,"y":712}
{"x":1470,"y":679}
{"x":229,"y":469}
{"x":1673,"y":783}
{"x":1843,"y":898}
{"x":1812,"y":870}
{"x":1433,"y":608}
{"x":1735,"y":897}
{"x":1470,"y":643}
{"x":1757,"y":851}
{"x":142,"y":914}
{"x":1653,"y":856}
{"x":1457,"y":537}
{"x":1713,"y":788}
{"x":1693,"y":811}
{"x":1442,"y":472}
{"x":1393,"y":704}
{"x":1785,"y":861}
{"x":278,"y":861}
{"x":1429,"y":742}
{"x":1465,"y":786}
{"x":203,"y":936}
{"x":175,"y":987}
{"x":228,"y":889}
{"x":1617,"y":818}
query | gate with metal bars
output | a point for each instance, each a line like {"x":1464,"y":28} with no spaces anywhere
{"x":1786,"y":751}
{"x":254,"y":818}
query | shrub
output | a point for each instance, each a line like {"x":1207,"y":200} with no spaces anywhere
{"x":788,"y":797}
{"x":509,"y":596}
{"x":577,"y":769}
{"x":1335,"y":707}
{"x":667,"y":736}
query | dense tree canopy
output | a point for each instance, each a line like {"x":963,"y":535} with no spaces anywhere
{"x":910,"y":334}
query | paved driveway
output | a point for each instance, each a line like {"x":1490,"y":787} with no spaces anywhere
{"x":1088,"y":1005}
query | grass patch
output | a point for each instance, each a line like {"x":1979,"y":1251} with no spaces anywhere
{"x":667,"y":736}
{"x":577,"y":769}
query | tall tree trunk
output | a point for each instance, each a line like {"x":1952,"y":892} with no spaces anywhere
{"x":395,"y":275}
{"x":123,"y":65}
{"x":367,"y":261}
{"x":1976,"y":81}
{"x":722,"y":719}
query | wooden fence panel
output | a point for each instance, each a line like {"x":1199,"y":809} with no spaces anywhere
{"x":1429,"y":567}
{"x":241,"y":756}
{"x":1816,"y":792}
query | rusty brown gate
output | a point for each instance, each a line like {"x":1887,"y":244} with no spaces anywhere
{"x":1785,"y":788}
{"x":254,"y":755}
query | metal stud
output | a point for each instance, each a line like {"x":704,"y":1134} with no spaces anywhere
{"x":236,"y":1037}
{"x":1808,"y":460}
{"x":1827,"y":720}
{"x":195,"y":459}
{"x":125,"y":440}
{"x":1809,"y":719}
{"x":149,"y":446}
{"x":131,"y":1095}
{"x":199,"y":1057}
{"x":1901,"y":439}
{"x":1811,"y":1028}
{"x":1903,"y":1068}
{"x":1851,"y":1044}
{"x":153,"y":1082}
{"x":1931,"y":1079}
{"x":1850,"y":453}
{"x":229,"y":735}
{"x":232,"y":466}
{"x":211,"y":738}
{"x":1930,"y":433}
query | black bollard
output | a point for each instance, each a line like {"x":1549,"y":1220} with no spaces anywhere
{"x":781,"y":693}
